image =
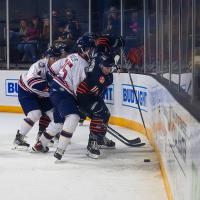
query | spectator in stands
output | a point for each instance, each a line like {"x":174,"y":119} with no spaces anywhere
{"x":55,"y":22}
{"x":136,"y":57}
{"x":72,"y":25}
{"x":134,"y":26}
{"x":113,"y":21}
{"x":29,"y":44}
{"x":16,"y":37}
{"x":45,"y":34}
{"x":46,"y":28}
{"x":61,"y":35}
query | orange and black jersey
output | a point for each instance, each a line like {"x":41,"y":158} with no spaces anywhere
{"x":94,"y":86}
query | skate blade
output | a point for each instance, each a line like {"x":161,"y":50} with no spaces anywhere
{"x":20,"y":148}
{"x":55,"y":145}
{"x":106,"y":147}
{"x":32,"y":150}
{"x":50,"y":144}
{"x":94,"y":156}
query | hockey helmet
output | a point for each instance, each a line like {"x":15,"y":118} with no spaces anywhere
{"x":64,"y":48}
{"x":86,"y":41}
{"x":107,"y":41}
{"x":86,"y":45}
{"x":107,"y":61}
{"x":53,"y":52}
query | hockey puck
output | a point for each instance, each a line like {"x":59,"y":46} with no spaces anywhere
{"x":147,"y":160}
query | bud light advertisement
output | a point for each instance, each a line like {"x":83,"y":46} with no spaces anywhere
{"x":11,"y":87}
{"x":109,"y":95}
{"x":129,"y":99}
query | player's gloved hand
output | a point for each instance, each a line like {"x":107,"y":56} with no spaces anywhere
{"x":120,"y":42}
{"x":127,"y":65}
{"x":96,"y":109}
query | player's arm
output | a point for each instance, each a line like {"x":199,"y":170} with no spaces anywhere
{"x":85,"y":95}
{"x":36,"y":83}
{"x":54,"y":69}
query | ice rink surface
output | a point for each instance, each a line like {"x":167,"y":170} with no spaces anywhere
{"x":119,"y":174}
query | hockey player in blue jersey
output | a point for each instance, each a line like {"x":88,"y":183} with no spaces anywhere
{"x":104,"y":44}
{"x":90,"y":93}
{"x":33,"y":95}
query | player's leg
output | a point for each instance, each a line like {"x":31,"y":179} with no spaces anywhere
{"x":82,"y":119}
{"x":55,"y":126}
{"x":43,"y":124}
{"x":103,"y":141}
{"x":97,"y":139}
{"x":32,"y":111}
{"x":96,"y":129}
{"x":47,"y":115}
{"x":70,"y":124}
{"x":68,"y":109}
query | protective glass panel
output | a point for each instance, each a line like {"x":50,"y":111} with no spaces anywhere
{"x":3,"y":56}
{"x":197,"y":53}
{"x":133,"y":31}
{"x":106,"y":17}
{"x":186,"y":47}
{"x":175,"y":42}
{"x":29,"y":31}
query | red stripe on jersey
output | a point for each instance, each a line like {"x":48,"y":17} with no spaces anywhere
{"x":33,"y":79}
{"x":80,"y":90}
{"x":23,"y":86}
{"x":83,"y":87}
{"x":84,"y":83}
{"x":51,"y":71}
{"x":63,"y":84}
{"x":97,"y":130}
{"x":35,"y":82}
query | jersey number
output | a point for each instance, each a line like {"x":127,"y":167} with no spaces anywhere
{"x":67,"y":62}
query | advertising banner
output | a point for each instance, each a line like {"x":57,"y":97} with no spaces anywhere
{"x":175,"y":132}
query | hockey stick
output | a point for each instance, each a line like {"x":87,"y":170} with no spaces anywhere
{"x":126,"y":63}
{"x":134,"y":141}
{"x":124,"y":142}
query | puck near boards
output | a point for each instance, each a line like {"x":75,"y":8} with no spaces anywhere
{"x":147,"y":160}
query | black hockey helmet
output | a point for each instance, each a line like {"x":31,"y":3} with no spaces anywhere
{"x":91,"y":35}
{"x":107,"y":60}
{"x":64,"y":48}
{"x":105,"y":42}
{"x":86,"y":41}
{"x":86,"y":45}
{"x":53,"y":52}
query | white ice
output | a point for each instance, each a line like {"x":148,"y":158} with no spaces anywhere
{"x":119,"y":174}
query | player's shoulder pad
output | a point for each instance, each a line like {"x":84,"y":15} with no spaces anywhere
{"x":73,"y":57}
{"x":42,"y":63}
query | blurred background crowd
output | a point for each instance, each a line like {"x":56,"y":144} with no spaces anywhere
{"x":30,"y":32}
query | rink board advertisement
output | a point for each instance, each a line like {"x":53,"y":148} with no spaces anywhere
{"x":175,"y":133}
{"x":9,"y":88}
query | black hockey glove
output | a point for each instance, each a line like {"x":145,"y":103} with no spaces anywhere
{"x":120,"y":42}
{"x":96,"y":109}
{"x":99,"y":110}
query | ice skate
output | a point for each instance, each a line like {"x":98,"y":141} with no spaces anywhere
{"x":106,"y":143}
{"x":38,"y":147}
{"x":38,"y":136}
{"x":93,"y":149}
{"x":19,"y":142}
{"x":59,"y":153}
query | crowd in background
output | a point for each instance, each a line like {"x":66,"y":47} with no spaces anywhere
{"x":32,"y":37}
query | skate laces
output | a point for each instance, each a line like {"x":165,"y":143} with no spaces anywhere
{"x":95,"y":145}
{"x":60,"y":151}
{"x":106,"y":140}
{"x":21,"y":137}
